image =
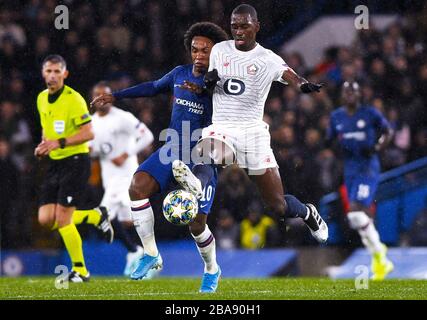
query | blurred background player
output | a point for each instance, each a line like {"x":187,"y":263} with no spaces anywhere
{"x":362,"y":132}
{"x":241,"y":74}
{"x":119,"y":137}
{"x":190,"y":111}
{"x":66,"y":129}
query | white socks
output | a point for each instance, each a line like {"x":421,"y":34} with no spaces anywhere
{"x":361,"y":222}
{"x":143,"y":220}
{"x":206,"y":246}
{"x":371,"y":238}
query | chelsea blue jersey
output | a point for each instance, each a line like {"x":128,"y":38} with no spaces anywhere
{"x":190,"y":111}
{"x":355,"y":133}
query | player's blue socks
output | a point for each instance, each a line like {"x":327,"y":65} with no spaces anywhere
{"x":204,"y":172}
{"x":295,"y":208}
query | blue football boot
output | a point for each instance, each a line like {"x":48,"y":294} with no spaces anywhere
{"x":145,"y":264}
{"x":210,"y":282}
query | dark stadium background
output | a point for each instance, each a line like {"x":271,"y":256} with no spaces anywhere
{"x":126,"y":42}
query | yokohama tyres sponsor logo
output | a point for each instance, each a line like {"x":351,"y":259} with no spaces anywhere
{"x":188,"y":103}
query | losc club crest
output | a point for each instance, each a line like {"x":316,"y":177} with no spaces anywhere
{"x":252,"y":69}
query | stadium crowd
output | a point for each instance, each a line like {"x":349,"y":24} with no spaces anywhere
{"x":127,"y":42}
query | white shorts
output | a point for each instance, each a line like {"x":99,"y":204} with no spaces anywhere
{"x":251,"y":144}
{"x":116,"y":199}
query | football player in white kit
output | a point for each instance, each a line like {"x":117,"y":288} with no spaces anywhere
{"x":119,"y":137}
{"x":240,"y":75}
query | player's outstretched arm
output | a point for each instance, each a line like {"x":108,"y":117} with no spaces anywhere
{"x":290,"y":76}
{"x":145,"y":89}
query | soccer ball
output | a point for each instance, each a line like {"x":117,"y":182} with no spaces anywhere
{"x":180,"y":207}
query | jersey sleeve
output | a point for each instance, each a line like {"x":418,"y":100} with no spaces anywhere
{"x":213,"y":58}
{"x":141,"y":134}
{"x":276,"y":67}
{"x":80,"y":113}
{"x":40,"y":111}
{"x":129,"y":123}
{"x":167,"y":81}
{"x":380,"y":122}
{"x":94,"y":148}
{"x":149,"y":88}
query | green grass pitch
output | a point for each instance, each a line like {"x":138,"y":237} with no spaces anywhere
{"x":104,"y":288}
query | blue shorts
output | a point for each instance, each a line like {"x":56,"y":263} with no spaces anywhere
{"x":361,"y":188}
{"x":162,"y":173}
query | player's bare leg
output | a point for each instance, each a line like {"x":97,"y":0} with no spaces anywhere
{"x":287,"y":206}
{"x":360,"y":221}
{"x":142,"y":187}
{"x":195,"y":182}
{"x":205,"y":242}
{"x":46,"y":216}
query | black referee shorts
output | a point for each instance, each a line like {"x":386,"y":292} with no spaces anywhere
{"x":66,"y":181}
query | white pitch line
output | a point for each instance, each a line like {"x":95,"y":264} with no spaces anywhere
{"x":125,"y":295}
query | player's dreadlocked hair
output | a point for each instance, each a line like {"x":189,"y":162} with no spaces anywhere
{"x":204,"y":29}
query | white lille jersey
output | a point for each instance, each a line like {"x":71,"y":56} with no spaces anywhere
{"x":239,"y":98}
{"x":245,"y":81}
{"x":116,"y":133}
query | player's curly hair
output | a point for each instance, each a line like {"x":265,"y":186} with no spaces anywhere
{"x":204,"y":29}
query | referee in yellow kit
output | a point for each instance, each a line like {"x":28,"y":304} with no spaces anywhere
{"x":66,"y":130}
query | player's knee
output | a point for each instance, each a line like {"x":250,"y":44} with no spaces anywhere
{"x":197,"y":228}
{"x":64,"y":216}
{"x":198,"y":225}
{"x":138,"y":188}
{"x":216,"y":151}
{"x":134,"y":191}
{"x":46,"y":221}
{"x":358,"y":220}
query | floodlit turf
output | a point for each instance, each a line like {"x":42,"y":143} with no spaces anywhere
{"x":187,"y":288}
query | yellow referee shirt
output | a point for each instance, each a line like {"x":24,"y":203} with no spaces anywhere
{"x":62,"y":119}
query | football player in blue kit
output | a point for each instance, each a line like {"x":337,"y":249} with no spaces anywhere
{"x":361,"y":132}
{"x":191,"y":112}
